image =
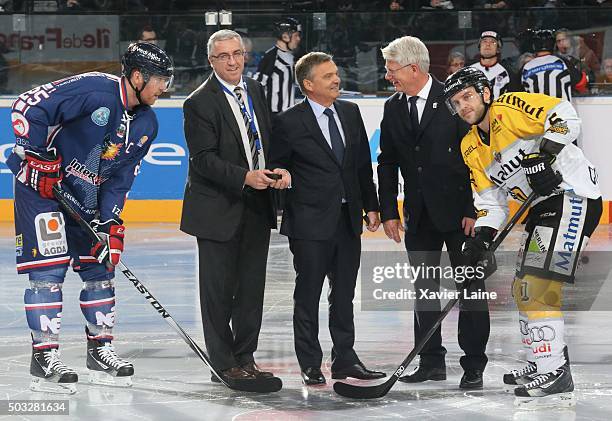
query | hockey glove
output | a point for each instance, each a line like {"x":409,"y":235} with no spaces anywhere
{"x":42,"y":171}
{"x":477,"y":253}
{"x":110,"y":246}
{"x":541,"y":177}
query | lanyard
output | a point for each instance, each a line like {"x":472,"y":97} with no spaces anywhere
{"x":244,"y":112}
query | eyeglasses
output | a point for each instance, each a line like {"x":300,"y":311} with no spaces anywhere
{"x":394,"y":71}
{"x":225,"y":57}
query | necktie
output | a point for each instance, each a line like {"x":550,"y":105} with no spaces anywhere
{"x":253,"y":136}
{"x":414,"y":113}
{"x":334,"y":135}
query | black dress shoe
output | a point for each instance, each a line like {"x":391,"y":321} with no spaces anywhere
{"x":471,"y":379}
{"x":312,"y":376}
{"x":357,"y":371}
{"x":421,"y":374}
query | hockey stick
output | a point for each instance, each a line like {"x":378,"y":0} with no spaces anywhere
{"x":261,"y":385}
{"x":380,"y":390}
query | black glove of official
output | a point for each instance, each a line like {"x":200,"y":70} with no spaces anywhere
{"x":541,"y":177}
{"x":475,"y":248}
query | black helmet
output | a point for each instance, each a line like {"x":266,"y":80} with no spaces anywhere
{"x":492,"y":34}
{"x":290,"y":25}
{"x":543,"y":40}
{"x":148,"y":58}
{"x":461,"y":79}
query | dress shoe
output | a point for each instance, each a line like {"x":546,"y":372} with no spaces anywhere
{"x":421,"y":374}
{"x":471,"y":379}
{"x":357,"y":371}
{"x":253,"y":369}
{"x":312,"y":376}
{"x":236,"y":373}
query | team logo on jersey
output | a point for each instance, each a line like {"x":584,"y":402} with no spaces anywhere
{"x":481,"y":213}
{"x":19,"y":245}
{"x":100,"y":116}
{"x":21,"y":127}
{"x":497,"y":156}
{"x":121,"y":131}
{"x":51,"y":234}
{"x":110,"y":150}
{"x":143,"y":140}
{"x":559,"y":127}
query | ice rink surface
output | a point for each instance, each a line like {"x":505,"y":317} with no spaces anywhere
{"x":171,"y":383}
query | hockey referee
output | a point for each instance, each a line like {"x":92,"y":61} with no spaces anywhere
{"x":276,"y":69}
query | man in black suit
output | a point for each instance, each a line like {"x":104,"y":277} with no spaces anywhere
{"x":323,"y":143}
{"x":227,"y":204}
{"x":421,"y":138}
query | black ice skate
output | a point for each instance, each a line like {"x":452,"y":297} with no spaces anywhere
{"x":551,"y":389}
{"x":519,"y":377}
{"x":50,"y":374}
{"x":105,"y":366}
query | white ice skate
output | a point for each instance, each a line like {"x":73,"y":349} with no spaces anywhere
{"x":50,"y":374}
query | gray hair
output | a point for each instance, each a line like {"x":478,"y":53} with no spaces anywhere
{"x":304,"y":66}
{"x":455,"y":55}
{"x":222,"y":35}
{"x":407,"y":50}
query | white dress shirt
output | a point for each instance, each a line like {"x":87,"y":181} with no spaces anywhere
{"x":422,"y":98}
{"x":233,"y":102}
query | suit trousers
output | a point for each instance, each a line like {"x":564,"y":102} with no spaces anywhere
{"x":232,"y":279}
{"x":337,"y":258}
{"x":425,"y":249}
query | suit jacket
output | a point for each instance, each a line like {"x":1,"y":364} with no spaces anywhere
{"x":319,"y":181}
{"x":435,"y":176}
{"x":214,"y":194}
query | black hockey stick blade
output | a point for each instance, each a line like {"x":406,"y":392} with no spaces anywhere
{"x":260,"y":385}
{"x":257,"y":385}
{"x":378,"y":391}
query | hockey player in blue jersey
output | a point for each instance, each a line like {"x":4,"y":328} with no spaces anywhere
{"x":88,"y":132}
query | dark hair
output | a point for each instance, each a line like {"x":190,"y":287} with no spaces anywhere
{"x":304,"y":66}
{"x":146,"y":28}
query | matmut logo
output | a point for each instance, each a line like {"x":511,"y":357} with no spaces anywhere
{"x":570,"y":234}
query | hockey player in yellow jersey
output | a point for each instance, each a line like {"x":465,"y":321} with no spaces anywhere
{"x":519,"y":144}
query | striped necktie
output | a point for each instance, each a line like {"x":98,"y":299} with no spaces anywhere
{"x":253,"y":136}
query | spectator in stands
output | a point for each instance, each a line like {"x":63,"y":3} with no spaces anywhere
{"x":456,"y":61}
{"x":524,"y":59}
{"x":396,"y":5}
{"x":437,"y":4}
{"x":605,"y":76}
{"x":574,"y":46}
{"x":71,"y":6}
{"x":147,"y":34}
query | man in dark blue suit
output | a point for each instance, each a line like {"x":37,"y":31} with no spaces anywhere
{"x":323,"y":143}
{"x":422,"y":139}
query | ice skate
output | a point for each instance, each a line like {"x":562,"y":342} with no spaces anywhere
{"x":50,"y":374}
{"x":554,"y":389}
{"x":105,"y":366}
{"x":519,"y":377}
